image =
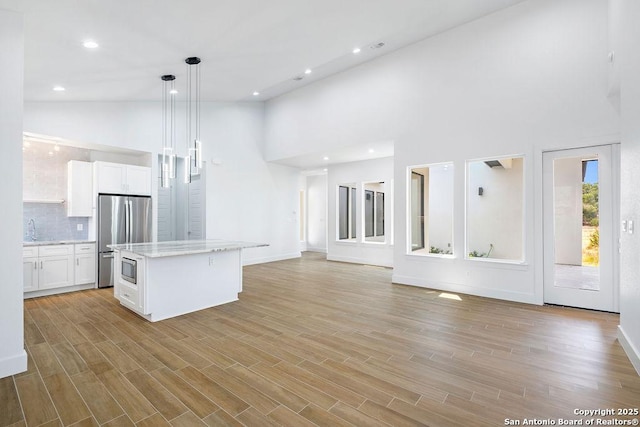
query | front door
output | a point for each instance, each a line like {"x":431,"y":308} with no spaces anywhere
{"x":580,"y":235}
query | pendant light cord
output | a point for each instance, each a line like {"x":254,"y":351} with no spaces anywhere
{"x":173,"y":114}
{"x":197,"y":102}
{"x":164,"y":117}
{"x":188,"y":106}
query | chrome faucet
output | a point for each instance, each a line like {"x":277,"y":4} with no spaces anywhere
{"x":31,"y":229}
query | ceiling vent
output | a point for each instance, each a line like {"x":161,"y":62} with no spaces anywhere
{"x":377,"y":46}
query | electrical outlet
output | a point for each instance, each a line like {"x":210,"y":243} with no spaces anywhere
{"x":79,"y":227}
{"x":630,"y":226}
{"x":624,"y":226}
{"x":211,"y":261}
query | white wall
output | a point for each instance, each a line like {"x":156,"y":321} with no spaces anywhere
{"x":629,"y":57}
{"x":567,"y":203}
{"x":317,"y":213}
{"x":247,"y":198}
{"x":134,"y":125}
{"x":359,"y":173}
{"x":13,"y":358}
{"x":529,"y":78}
{"x":495,"y":218}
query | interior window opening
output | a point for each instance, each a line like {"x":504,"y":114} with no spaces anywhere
{"x":431,"y":209}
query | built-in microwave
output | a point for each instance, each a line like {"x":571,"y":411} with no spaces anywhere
{"x":129,"y":270}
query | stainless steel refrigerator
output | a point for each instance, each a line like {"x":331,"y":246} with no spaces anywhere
{"x":121,"y":219}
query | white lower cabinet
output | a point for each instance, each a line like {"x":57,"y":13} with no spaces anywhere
{"x":58,"y":266}
{"x":129,"y":294}
{"x":30,"y":271}
{"x":85,"y":268}
{"x":55,"y":271}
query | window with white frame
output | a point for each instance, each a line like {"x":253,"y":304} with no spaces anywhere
{"x":374,"y":212}
{"x":430,"y":210}
{"x":495,"y":209}
{"x":346,"y":212}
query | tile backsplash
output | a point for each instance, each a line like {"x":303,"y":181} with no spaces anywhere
{"x":45,"y":178}
{"x":52,"y":222}
{"x":44,"y":169}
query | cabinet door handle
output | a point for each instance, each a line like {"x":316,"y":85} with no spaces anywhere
{"x":41,"y":265}
{"x":35,"y":265}
{"x":77,"y":261}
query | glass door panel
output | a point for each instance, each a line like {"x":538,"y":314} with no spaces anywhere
{"x":579,"y":232}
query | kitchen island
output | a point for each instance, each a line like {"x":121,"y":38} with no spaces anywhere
{"x":167,"y":279}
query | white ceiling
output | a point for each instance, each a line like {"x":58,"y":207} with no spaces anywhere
{"x":321,"y":160}
{"x":245,"y":45}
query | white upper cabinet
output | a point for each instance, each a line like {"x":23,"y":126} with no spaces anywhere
{"x":79,"y":188}
{"x":116,"y":178}
{"x":138,"y":180}
{"x":111,"y":177}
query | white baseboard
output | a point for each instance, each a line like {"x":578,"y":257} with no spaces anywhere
{"x":262,"y":260}
{"x":632,"y":352}
{"x":464,"y":289}
{"x":55,"y":291}
{"x":354,"y":260}
{"x":313,"y":249}
{"x":13,"y":365}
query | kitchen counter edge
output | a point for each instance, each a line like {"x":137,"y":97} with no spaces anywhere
{"x":56,"y":242}
{"x":186,"y":247}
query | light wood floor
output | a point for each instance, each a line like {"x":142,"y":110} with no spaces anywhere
{"x":313,"y":342}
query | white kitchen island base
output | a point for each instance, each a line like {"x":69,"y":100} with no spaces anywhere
{"x":170,"y":282}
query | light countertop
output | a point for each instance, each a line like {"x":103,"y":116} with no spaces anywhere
{"x":56,"y":242}
{"x":184,"y":247}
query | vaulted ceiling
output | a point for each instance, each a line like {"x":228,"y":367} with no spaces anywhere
{"x":245,"y":45}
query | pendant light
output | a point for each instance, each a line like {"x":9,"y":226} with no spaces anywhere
{"x":193,"y":161}
{"x":168,"y":167}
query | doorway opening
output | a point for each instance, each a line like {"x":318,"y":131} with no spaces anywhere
{"x":580,"y":196}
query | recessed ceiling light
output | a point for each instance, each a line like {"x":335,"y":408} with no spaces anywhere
{"x":371,"y":150}
{"x":307,"y":71}
{"x":356,"y":50}
{"x":59,"y":88}
{"x":256,"y":93}
{"x":56,"y":147}
{"x":325,"y":158}
{"x":325,"y":169}
{"x":90,"y":44}
{"x":173,"y":91}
